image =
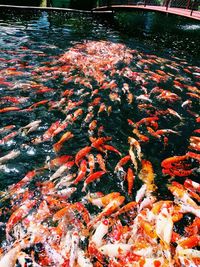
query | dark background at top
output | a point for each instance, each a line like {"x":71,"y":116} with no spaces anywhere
{"x":77,"y":4}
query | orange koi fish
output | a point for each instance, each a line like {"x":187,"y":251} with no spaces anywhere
{"x":130,"y":177}
{"x":192,"y":185}
{"x":82,"y":172}
{"x":92,"y":177}
{"x":43,"y":90}
{"x":92,"y":125}
{"x":147,"y":175}
{"x":16,"y":100}
{"x":170,"y":162}
{"x":97,"y":143}
{"x":82,"y":153}
{"x":9,"y":109}
{"x":58,"y":161}
{"x":103,"y":200}
{"x":142,"y":137}
{"x":102,"y":108}
{"x":66,"y":136}
{"x":123,"y":161}
{"x":111,"y":148}
{"x":128,"y":208}
{"x":193,"y":155}
{"x":68,"y":92}
{"x":40,"y":103}
{"x":95,"y":102}
{"x":91,"y":161}
{"x":101,"y":162}
{"x":61,"y":213}
{"x":26,"y":179}
{"x":177,"y":172}
{"x":147,"y":121}
{"x":134,"y":151}
{"x":190,"y":242}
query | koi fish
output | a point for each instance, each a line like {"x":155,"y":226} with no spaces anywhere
{"x":66,"y":136}
{"x":122,"y":162}
{"x":92,"y":177}
{"x":134,"y":144}
{"x":31,"y":127}
{"x":97,"y":143}
{"x":82,"y":153}
{"x":108,"y":210}
{"x":82,"y":172}
{"x":111,"y":148}
{"x":6,"y":138}
{"x":19,"y":214}
{"x":115,"y":250}
{"x":6,"y":128}
{"x":48,"y":134}
{"x":169,"y":162}
{"x":58,"y":161}
{"x":147,"y":174}
{"x":66,"y":166}
{"x":9,"y":109}
{"x":9,"y":259}
{"x":130,"y":177}
{"x":101,"y":162}
{"x":11,"y":155}
{"x":103,"y":200}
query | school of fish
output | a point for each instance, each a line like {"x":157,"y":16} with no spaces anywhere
{"x":117,"y":184}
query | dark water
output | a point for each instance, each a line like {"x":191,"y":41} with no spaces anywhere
{"x":166,"y":33}
{"x":31,"y":40}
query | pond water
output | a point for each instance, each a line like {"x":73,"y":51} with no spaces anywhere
{"x":73,"y":88}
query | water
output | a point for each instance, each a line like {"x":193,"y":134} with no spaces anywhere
{"x":33,"y":40}
{"x":96,"y":81}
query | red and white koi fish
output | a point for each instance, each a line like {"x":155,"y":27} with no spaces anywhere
{"x":48,"y":134}
{"x":19,"y":214}
{"x":8,"y":137}
{"x":68,"y":165}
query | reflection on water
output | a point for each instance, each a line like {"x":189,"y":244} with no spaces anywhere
{"x":164,"y":33}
